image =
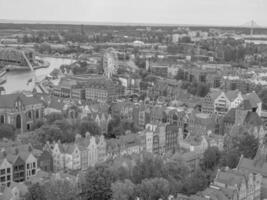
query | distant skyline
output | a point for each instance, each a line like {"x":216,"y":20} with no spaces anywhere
{"x":191,"y":12}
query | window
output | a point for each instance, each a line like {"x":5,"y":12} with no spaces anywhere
{"x":3,"y":179}
{"x":37,"y":114}
{"x":33,"y":164}
{"x":3,"y":171}
{"x":2,"y":119}
{"x":8,"y":170}
{"x":28,"y":166}
{"x":8,"y":177}
{"x":33,"y":172}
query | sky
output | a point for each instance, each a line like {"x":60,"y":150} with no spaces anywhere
{"x":193,"y":12}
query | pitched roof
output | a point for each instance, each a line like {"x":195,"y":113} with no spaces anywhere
{"x":232,"y":94}
{"x":253,"y":118}
{"x":229,"y":177}
{"x":230,"y":116}
{"x":8,"y":100}
{"x":245,"y":105}
{"x":253,"y":98}
{"x":214,"y":93}
{"x":252,"y":166}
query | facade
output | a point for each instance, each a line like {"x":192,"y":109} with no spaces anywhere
{"x":18,"y":169}
{"x":235,"y":97}
{"x":215,"y":102}
{"x":159,"y":70}
{"x":155,"y":138}
{"x":45,"y":161}
{"x":80,"y":155}
{"x":110,"y":62}
{"x":171,"y":141}
{"x":257,"y":166}
{"x":5,"y":171}
{"x":20,"y":110}
{"x":247,"y":185}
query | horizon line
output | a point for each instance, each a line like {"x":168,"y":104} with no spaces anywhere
{"x":59,"y":22}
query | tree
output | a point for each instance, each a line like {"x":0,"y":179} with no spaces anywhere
{"x":153,"y":189}
{"x":115,"y":128}
{"x":211,"y":158}
{"x":97,"y":185}
{"x":38,"y":124}
{"x":248,"y":146}
{"x":123,"y":190}
{"x":176,"y":172}
{"x":89,"y":126}
{"x":195,"y":183}
{"x":60,"y":190}
{"x":49,"y":133}
{"x":148,"y":166}
{"x":53,"y":117}
{"x":35,"y":192}
{"x":7,"y":131}
{"x":230,"y":159}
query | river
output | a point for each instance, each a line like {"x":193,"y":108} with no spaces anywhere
{"x":17,"y":80}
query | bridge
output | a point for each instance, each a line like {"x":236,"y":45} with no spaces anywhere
{"x":251,"y":25}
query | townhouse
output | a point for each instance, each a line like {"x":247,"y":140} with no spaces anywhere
{"x":18,"y":164}
{"x":81,"y":154}
{"x":215,"y":102}
{"x":125,"y":145}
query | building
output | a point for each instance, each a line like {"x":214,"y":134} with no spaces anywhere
{"x":20,"y":110}
{"x":81,"y":154}
{"x":125,"y":145}
{"x":110,"y":62}
{"x":45,"y":161}
{"x":159,"y":70}
{"x":103,"y":90}
{"x":215,"y":102}
{"x":171,"y":138}
{"x":5,"y":171}
{"x":235,"y":97}
{"x":247,"y":185}
{"x":155,"y":138}
{"x":257,"y":166}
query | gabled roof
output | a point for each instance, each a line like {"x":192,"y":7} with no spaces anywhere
{"x":8,"y":100}
{"x":214,"y":94}
{"x":232,"y":94}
